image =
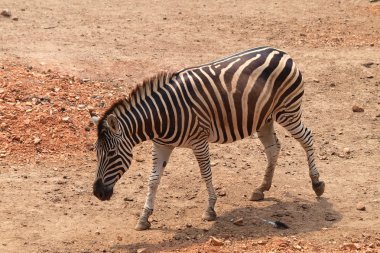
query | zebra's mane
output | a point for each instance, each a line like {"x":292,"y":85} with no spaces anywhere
{"x":138,"y":94}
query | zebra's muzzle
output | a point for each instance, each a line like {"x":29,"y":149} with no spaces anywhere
{"x":101,"y":191}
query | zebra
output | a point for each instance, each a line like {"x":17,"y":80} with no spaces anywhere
{"x":219,"y":102}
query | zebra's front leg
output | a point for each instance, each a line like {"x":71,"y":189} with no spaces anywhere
{"x":201,"y":152}
{"x":272,"y":146}
{"x":161,"y":156}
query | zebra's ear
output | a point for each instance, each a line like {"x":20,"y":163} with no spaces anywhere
{"x":113,"y":124}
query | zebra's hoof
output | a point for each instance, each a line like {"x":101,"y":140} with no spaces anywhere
{"x":142,"y":225}
{"x":257,"y":195}
{"x":319,"y":188}
{"x":209,"y":215}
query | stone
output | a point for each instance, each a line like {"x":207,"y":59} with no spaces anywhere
{"x":37,"y":140}
{"x":239,"y":222}
{"x":261,"y":242}
{"x":66,"y":119}
{"x":367,"y":64}
{"x":6,"y":13}
{"x":351,"y":246}
{"x":360,"y":207}
{"x":129,"y":199}
{"x":212,"y":164}
{"x":215,"y":241}
{"x":143,"y":250}
{"x":330,"y":217}
{"x":357,"y":108}
{"x":347,"y":151}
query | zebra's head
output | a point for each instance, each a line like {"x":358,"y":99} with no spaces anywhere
{"x":114,"y":155}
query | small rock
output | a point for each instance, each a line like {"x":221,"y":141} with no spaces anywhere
{"x":6,"y":13}
{"x":356,"y":108}
{"x":81,"y":106}
{"x":368,"y":64}
{"x":128,"y":199}
{"x":347,"y":151}
{"x":261,"y":242}
{"x":360,"y":207}
{"x":369,"y":76}
{"x":351,"y":246}
{"x":140,"y":160}
{"x":97,"y":232}
{"x":119,"y":238}
{"x":215,"y":242}
{"x":222,"y":193}
{"x":315,"y":80}
{"x":330,"y":217}
{"x":213,"y":164}
{"x":188,"y":225}
{"x":66,"y":119}
{"x":297,"y":247}
{"x":143,"y":250}
{"x":36,"y":140}
{"x":239,"y":222}
{"x":94,"y":119}
{"x":15,"y":19}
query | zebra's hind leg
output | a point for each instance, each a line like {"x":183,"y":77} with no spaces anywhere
{"x":161,"y":156}
{"x":304,"y":136}
{"x":201,"y":152}
{"x":272,"y":146}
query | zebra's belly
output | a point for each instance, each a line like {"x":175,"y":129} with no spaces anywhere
{"x":227,"y":133}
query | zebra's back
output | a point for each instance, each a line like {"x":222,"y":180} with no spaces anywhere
{"x":234,"y":96}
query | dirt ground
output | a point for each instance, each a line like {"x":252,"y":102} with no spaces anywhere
{"x":60,"y":60}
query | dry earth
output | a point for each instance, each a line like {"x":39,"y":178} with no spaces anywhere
{"x":61,"y":59}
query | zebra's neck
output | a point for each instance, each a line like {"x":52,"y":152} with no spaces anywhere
{"x":144,"y":115}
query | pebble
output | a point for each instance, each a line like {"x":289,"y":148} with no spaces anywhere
{"x":215,"y":241}
{"x":347,"y":151}
{"x":367,"y":64}
{"x":351,"y":246}
{"x":330,"y":217}
{"x":239,"y":222}
{"x":261,"y":242}
{"x":357,"y":108}
{"x":6,"y":13}
{"x":65,"y":119}
{"x":37,"y":140}
{"x":128,"y":199}
{"x":360,"y":207}
{"x":222,"y":193}
{"x":143,"y":250}
{"x":95,"y":119}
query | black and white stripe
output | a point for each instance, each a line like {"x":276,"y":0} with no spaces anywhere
{"x":219,"y":102}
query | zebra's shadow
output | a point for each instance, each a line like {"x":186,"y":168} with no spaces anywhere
{"x":299,"y":214}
